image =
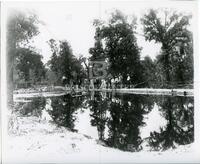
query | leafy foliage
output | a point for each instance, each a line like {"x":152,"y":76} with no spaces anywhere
{"x":64,"y":63}
{"x":29,"y":61}
{"x":170,"y":29}
{"x":20,"y":29}
{"x":115,"y":41}
{"x":179,"y":112}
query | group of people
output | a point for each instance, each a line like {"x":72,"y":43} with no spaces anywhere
{"x":112,"y":83}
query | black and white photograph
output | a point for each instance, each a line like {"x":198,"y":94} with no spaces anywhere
{"x":100,"y":82}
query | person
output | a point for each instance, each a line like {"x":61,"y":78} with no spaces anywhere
{"x":73,"y":90}
{"x":113,"y":83}
{"x":64,"y":80}
{"x":103,"y":84}
{"x":128,"y":81}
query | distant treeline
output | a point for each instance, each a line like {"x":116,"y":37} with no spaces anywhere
{"x":115,"y":43}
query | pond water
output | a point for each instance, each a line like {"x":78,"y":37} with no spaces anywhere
{"x":123,"y":121}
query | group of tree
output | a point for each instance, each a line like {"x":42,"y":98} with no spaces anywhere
{"x":64,"y":65}
{"x":23,"y":62}
{"x":116,"y":43}
{"x":175,"y":61}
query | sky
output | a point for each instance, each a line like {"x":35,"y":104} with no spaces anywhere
{"x":72,"y":21}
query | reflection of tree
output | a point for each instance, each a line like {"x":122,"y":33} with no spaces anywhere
{"x":63,"y":110}
{"x":98,"y":110}
{"x":126,"y":119}
{"x":33,"y":108}
{"x":126,"y":116}
{"x":180,"y":127}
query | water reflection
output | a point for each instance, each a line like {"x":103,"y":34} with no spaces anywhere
{"x":178,"y":111}
{"x":127,"y":113}
{"x":63,"y":110}
{"x":33,"y":107}
{"x":119,"y":118}
{"x":99,"y":104}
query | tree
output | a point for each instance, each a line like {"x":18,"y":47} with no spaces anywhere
{"x":115,"y":41}
{"x":97,"y":52}
{"x":182,"y":62}
{"x":169,"y":29}
{"x":64,"y":63}
{"x":20,"y":29}
{"x":30,"y":65}
{"x":148,"y":68}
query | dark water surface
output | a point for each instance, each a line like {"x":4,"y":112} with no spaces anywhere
{"x":123,"y":121}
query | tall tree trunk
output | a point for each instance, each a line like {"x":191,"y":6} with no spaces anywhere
{"x":11,"y":51}
{"x":166,"y":65}
{"x":10,"y":85}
